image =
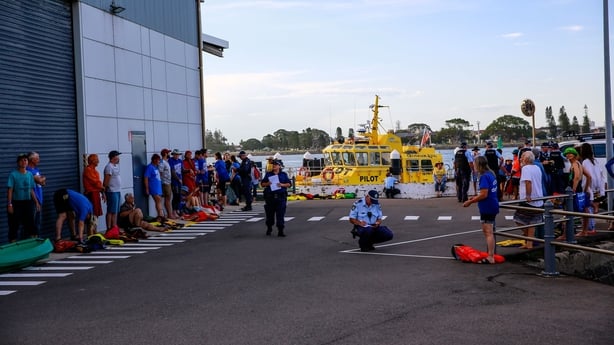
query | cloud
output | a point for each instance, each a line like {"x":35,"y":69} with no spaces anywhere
{"x":572,"y":28}
{"x":512,"y":35}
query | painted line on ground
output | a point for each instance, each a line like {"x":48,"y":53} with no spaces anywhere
{"x":170,"y":237}
{"x":444,"y":218}
{"x":315,"y":219}
{"x":95,"y":256}
{"x":357,"y":251}
{"x":34,"y":275}
{"x":88,"y":262}
{"x":141,"y":244}
{"x":160,"y":242}
{"x":132,"y":247}
{"x":287,"y":219}
{"x":255,"y":219}
{"x":6,"y":292}
{"x":345,"y":218}
{"x":475,"y":217}
{"x":57,"y":268}
{"x":22,"y":283}
{"x":101,"y":252}
{"x":411,"y":217}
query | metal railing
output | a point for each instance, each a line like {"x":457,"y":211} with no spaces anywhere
{"x":549,"y":241}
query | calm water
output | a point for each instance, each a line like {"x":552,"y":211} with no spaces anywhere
{"x":293,"y":161}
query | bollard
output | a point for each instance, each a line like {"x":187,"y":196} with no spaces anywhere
{"x":570,"y":231}
{"x":549,"y":251}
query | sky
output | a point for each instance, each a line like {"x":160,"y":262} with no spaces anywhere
{"x":319,"y":63}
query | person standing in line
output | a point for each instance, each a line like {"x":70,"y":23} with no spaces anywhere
{"x":202,"y":178}
{"x":495,"y":163}
{"x":112,"y":184}
{"x":366,"y":216}
{"x":275,"y":192}
{"x":530,"y":188}
{"x":166,"y":179}
{"x":488,"y":204}
{"x":245,"y":172}
{"x":21,"y":201}
{"x":474,"y":174}
{"x":92,"y":185}
{"x":176,"y":181}
{"x":222,"y":177}
{"x":153,"y":184}
{"x":596,"y":188}
{"x":515,"y":174}
{"x":188,"y":172}
{"x":40,"y":180}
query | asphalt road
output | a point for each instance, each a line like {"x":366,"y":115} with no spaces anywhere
{"x":233,"y":285}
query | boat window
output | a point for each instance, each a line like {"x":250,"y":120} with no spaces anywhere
{"x":362,"y":158}
{"x":385,"y":158}
{"x":336,"y":158}
{"x":413,"y":165}
{"x":376,"y":158}
{"x":327,"y":159}
{"x":348,"y":158}
{"x":427,"y":165}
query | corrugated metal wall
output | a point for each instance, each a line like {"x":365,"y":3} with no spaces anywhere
{"x":37,"y":97}
{"x":175,"y":18}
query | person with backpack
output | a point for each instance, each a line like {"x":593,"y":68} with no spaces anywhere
{"x":463,"y":167}
{"x":495,"y":163}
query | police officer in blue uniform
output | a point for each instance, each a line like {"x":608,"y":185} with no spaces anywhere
{"x":366,"y":216}
{"x":275,"y":185}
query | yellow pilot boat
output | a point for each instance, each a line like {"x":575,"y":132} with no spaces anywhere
{"x":359,"y":164}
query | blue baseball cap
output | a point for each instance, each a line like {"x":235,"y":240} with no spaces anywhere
{"x":374,"y":196}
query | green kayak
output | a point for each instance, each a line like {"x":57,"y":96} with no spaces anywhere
{"x":23,"y":253}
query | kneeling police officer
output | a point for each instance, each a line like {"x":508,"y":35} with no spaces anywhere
{"x":366,"y":216}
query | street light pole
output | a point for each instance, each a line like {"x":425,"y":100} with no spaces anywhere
{"x":608,"y":96}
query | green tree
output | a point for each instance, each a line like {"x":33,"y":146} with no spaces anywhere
{"x":552,"y":129}
{"x":564,"y":124}
{"x":251,"y":144}
{"x":586,"y":124}
{"x":456,"y":130}
{"x":216,"y":141}
{"x":509,"y":127}
{"x":575,"y":126}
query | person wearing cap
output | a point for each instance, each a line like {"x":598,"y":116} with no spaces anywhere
{"x":188,"y":173}
{"x":71,"y":205}
{"x":166,"y":179}
{"x":153,"y":184}
{"x":366,"y":216}
{"x":556,"y":169}
{"x":488,"y":204}
{"x":463,"y":168}
{"x":245,"y":172}
{"x":21,"y":201}
{"x":275,"y":184}
{"x":112,"y":183}
{"x":176,"y":180}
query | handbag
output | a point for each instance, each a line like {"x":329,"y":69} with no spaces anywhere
{"x":579,"y":202}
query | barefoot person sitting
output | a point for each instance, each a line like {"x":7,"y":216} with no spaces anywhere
{"x":131,"y":216}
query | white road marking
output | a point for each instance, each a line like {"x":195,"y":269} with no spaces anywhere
{"x":57,"y":268}
{"x":444,"y":218}
{"x":95,"y":256}
{"x":34,"y":275}
{"x":6,"y":292}
{"x":412,"y":217}
{"x":315,"y":219}
{"x":22,"y":283}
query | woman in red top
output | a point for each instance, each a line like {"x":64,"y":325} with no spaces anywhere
{"x":92,"y":184}
{"x":516,"y":168}
{"x":188,"y":174}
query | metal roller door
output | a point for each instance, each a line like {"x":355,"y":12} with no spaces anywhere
{"x":37,"y":97}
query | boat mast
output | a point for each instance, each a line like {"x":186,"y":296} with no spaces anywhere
{"x":375,"y":121}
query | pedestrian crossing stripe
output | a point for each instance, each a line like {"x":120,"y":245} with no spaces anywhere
{"x":171,"y":237}
{"x":6,"y":292}
{"x":315,"y":219}
{"x":475,"y":217}
{"x":160,"y":241}
{"x":58,"y":268}
{"x":22,"y":283}
{"x":444,"y":218}
{"x":411,"y":217}
{"x":96,"y":256}
{"x":131,"y":247}
{"x":34,"y":275}
{"x":509,"y":217}
{"x":255,"y":219}
{"x":287,"y":219}
{"x":141,"y":244}
{"x":345,"y":218}
{"x":73,"y":262}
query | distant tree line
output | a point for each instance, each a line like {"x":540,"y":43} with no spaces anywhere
{"x":509,"y":128}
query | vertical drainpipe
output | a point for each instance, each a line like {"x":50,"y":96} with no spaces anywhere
{"x":201,"y":71}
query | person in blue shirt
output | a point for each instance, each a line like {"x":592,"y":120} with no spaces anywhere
{"x":72,"y":205}
{"x":153,"y":184}
{"x":389,"y":189}
{"x":222,"y":177}
{"x":488,"y":204}
{"x":275,"y":184}
{"x":366,"y":216}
